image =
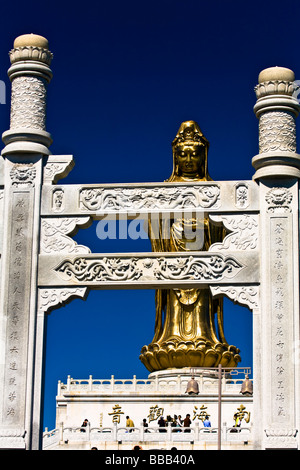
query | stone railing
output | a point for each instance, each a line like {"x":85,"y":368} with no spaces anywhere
{"x":65,"y":435}
{"x":230,"y":384}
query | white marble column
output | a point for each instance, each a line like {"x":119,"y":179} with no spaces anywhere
{"x":26,"y":145}
{"x":276,"y":323}
{"x":29,"y":74}
{"x":276,"y":108}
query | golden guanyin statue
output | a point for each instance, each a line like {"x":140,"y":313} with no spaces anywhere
{"x":189,"y":322}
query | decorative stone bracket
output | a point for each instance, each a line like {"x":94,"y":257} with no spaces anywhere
{"x":49,"y":299}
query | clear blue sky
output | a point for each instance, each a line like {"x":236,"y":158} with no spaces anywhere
{"x":126,"y":74}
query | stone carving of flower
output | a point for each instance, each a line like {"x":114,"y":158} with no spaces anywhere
{"x":148,"y":263}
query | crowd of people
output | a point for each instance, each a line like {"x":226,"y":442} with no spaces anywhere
{"x":175,"y":422}
{"x":178,"y":422}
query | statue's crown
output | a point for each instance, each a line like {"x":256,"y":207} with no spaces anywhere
{"x":189,"y":133}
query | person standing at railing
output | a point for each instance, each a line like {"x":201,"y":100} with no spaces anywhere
{"x":161,"y":423}
{"x":186,"y":423}
{"x":129,"y":423}
{"x":179,"y":421}
{"x":84,"y":425}
{"x":206,"y":422}
{"x":145,"y":424}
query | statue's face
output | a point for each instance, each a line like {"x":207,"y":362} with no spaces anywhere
{"x":189,"y":159}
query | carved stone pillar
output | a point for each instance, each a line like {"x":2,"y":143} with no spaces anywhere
{"x":276,"y":108}
{"x":276,"y":327}
{"x":29,"y":74}
{"x":22,"y":159}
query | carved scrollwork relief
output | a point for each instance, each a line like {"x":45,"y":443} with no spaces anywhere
{"x":135,"y":199}
{"x":57,"y":167}
{"x":52,"y":298}
{"x":106,"y":269}
{"x":54,"y":235}
{"x":28,"y":103}
{"x":208,"y":268}
{"x":277,"y":131}
{"x":243,"y":232}
{"x":53,"y":169}
{"x":243,"y":295}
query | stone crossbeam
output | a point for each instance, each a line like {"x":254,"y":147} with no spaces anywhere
{"x":149,"y":270}
{"x":142,"y":198}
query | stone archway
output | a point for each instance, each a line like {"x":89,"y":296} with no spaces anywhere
{"x":43,"y":267}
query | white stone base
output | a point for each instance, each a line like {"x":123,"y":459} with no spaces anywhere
{"x":106,"y":403}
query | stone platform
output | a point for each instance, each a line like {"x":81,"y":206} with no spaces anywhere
{"x":105,"y":403}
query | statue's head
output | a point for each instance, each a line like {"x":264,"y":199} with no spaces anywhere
{"x":190,"y":149}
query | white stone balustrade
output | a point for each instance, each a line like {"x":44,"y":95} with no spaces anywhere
{"x":155,"y":384}
{"x":152,"y":435}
